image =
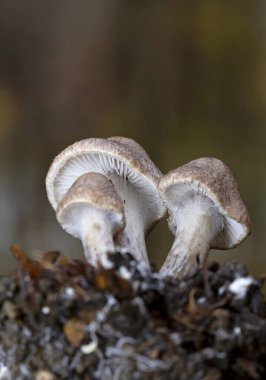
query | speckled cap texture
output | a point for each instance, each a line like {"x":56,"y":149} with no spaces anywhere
{"x":94,"y":189}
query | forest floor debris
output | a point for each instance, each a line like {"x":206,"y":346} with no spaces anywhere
{"x":60,"y":320}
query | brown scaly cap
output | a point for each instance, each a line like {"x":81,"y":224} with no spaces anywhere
{"x":94,"y":189}
{"x":215,"y":180}
{"x":77,"y":155}
{"x":130,"y":143}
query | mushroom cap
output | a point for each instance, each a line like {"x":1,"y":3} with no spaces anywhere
{"x":211,"y":178}
{"x":95,"y":191}
{"x":130,"y":143}
{"x":109,"y":158}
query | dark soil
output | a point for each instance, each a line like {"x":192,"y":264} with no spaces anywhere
{"x":60,"y":319}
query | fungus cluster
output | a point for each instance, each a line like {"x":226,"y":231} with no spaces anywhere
{"x":109,"y":194}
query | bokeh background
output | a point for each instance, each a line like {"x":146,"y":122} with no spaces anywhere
{"x":185,"y":79}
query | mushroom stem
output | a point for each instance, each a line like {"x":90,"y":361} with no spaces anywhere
{"x":197,"y":223}
{"x":132,"y":238}
{"x":94,"y":228}
{"x":98,"y":241}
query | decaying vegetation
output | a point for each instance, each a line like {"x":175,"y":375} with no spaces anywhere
{"x":62,"y":319}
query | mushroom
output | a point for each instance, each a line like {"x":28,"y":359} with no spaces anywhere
{"x":92,"y":211}
{"x":206,"y":211}
{"x":133,"y":174}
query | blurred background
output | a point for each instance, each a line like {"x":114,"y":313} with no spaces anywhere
{"x":184,"y":79}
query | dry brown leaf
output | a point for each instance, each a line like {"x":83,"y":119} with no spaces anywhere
{"x":74,"y":331}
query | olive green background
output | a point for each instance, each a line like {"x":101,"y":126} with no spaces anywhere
{"x":183,"y":78}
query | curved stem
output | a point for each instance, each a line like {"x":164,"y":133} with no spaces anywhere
{"x":98,"y":240}
{"x":95,"y":228}
{"x":197,"y":224}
